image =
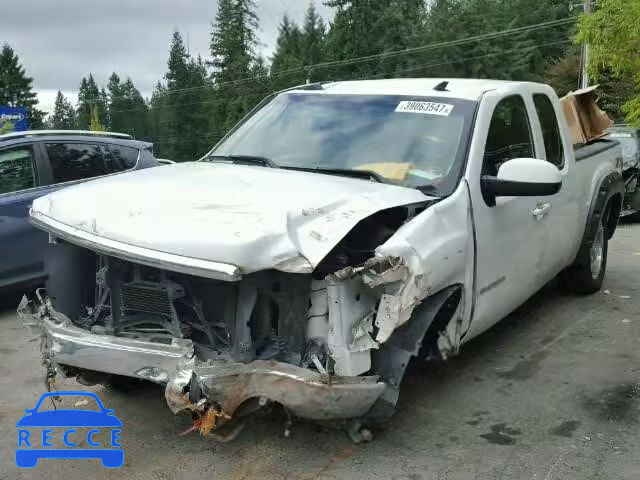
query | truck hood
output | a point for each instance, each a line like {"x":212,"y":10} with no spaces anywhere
{"x":253,"y":218}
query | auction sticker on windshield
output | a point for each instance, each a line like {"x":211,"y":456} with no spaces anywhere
{"x":428,"y":108}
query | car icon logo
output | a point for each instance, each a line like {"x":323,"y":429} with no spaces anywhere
{"x":35,"y":444}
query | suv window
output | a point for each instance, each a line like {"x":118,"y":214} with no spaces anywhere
{"x":75,"y":161}
{"x":121,"y":157}
{"x":509,"y":135}
{"x":16,"y":169}
{"x":550,"y":129}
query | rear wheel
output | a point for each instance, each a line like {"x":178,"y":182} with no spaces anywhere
{"x":586,"y":275}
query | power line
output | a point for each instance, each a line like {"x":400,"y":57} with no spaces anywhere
{"x":418,"y":67}
{"x":208,"y":101}
{"x":354,"y":60}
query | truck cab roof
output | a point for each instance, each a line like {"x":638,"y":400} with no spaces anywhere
{"x":465,"y":89}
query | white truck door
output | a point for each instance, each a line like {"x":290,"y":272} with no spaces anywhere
{"x":562,"y":220}
{"x":509,"y":237}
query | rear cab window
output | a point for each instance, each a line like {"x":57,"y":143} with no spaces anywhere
{"x":550,"y":129}
{"x":17,"y":170}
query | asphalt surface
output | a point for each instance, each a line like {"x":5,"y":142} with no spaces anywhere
{"x":552,"y":392}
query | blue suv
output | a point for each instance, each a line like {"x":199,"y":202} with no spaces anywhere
{"x":34,"y":163}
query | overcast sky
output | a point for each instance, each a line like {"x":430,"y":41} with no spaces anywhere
{"x":60,"y":41}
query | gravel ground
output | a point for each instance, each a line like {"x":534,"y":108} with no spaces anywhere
{"x":552,"y":392}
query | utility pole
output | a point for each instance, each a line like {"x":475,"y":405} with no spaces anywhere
{"x":585,"y":52}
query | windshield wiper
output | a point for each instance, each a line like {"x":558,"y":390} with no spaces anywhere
{"x":345,"y":172}
{"x":244,"y":160}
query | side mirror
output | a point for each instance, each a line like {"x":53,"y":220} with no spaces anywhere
{"x":522,"y":177}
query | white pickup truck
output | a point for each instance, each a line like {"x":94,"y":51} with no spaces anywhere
{"x":338,"y":231}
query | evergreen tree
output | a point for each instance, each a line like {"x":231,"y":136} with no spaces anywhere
{"x":287,"y":62}
{"x":117,"y":104}
{"x":90,"y":96}
{"x":128,"y":111}
{"x":158,"y":116}
{"x":363,"y":28}
{"x":16,"y":87}
{"x":239,"y":77}
{"x":180,"y":114}
{"x":312,"y":46}
{"x":297,"y":49}
{"x":64,"y":115}
{"x":136,"y":111}
{"x":517,"y":56}
{"x":233,"y":40}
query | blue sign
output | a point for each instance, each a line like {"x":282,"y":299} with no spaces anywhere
{"x":13,"y":117}
{"x":60,"y":430}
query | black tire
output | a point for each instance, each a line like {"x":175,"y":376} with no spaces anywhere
{"x":586,"y":274}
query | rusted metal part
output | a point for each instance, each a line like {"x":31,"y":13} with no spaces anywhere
{"x":207,"y":421}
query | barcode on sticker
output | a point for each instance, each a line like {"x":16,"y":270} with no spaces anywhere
{"x":428,"y":108}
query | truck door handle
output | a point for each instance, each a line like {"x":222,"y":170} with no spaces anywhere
{"x":541,"y":210}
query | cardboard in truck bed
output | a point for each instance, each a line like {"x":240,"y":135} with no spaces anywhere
{"x":586,"y":120}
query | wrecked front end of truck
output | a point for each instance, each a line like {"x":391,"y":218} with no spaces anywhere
{"x":327,"y":340}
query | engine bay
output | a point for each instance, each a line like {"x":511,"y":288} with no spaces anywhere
{"x":262,"y":317}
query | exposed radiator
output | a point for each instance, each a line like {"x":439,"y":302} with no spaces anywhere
{"x":150,"y":297}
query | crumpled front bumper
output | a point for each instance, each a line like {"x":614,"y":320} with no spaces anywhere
{"x":306,"y":393}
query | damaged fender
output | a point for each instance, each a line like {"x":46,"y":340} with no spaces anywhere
{"x":434,"y":250}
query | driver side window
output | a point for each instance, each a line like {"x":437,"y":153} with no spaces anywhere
{"x":509,"y":135}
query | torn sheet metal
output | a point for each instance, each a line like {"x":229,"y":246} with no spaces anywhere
{"x":433,"y":251}
{"x":250,"y":218}
{"x":361,"y":333}
{"x":305,"y":393}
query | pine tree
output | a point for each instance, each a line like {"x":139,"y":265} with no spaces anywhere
{"x":136,"y":111}
{"x":517,"y":56}
{"x":239,"y":78}
{"x":442,"y":24}
{"x":117,"y":104}
{"x":312,"y":45}
{"x":287,"y":62}
{"x":233,"y":40}
{"x":128,"y":111}
{"x":363,"y":28}
{"x":180,"y":113}
{"x":64,"y":115}
{"x":16,"y":86}
{"x":90,"y":96}
{"x":158,"y":115}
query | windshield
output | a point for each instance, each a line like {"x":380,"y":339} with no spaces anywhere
{"x":409,"y":141}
